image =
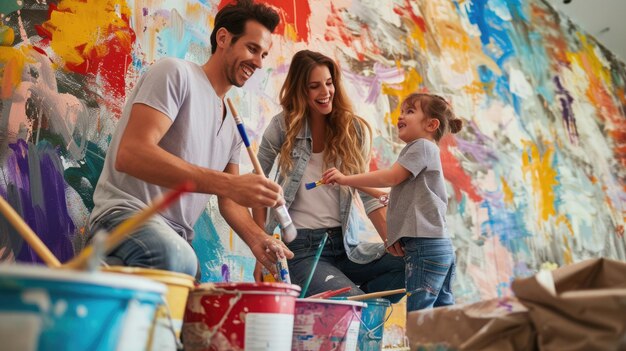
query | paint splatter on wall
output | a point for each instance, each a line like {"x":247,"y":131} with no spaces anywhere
{"x":537,"y":178}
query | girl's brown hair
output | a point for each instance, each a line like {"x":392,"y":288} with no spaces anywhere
{"x":434,"y":106}
{"x":345,"y":131}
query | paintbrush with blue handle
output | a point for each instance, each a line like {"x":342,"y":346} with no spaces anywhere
{"x":288,"y":229}
{"x":312,"y":185}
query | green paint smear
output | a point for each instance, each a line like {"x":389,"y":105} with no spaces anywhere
{"x":85,"y":177}
{"x":9,"y":6}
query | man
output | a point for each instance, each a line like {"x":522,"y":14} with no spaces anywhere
{"x":174,"y":129}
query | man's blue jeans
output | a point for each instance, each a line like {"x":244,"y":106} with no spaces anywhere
{"x":154,"y":245}
{"x":334,"y":269}
{"x":430,"y":270}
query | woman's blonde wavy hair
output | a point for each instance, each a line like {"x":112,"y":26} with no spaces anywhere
{"x":345,"y":130}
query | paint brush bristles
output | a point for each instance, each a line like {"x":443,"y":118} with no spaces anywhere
{"x":312,"y":185}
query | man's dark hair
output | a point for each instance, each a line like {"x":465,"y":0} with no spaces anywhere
{"x":234,"y":17}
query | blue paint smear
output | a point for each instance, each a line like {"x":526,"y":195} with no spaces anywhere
{"x":507,"y":45}
{"x":209,"y":249}
{"x":178,"y":47}
{"x":509,"y":226}
{"x":216,"y":264}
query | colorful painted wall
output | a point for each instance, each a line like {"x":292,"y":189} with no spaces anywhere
{"x":535,"y":180}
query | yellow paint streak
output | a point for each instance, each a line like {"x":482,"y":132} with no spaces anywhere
{"x":12,"y":61}
{"x":563,"y":220}
{"x":410,"y":85}
{"x":416,"y":36}
{"x":78,"y":22}
{"x":447,"y":37}
{"x":291,"y":32}
{"x":506,"y":190}
{"x":231,"y":238}
{"x":587,"y":58}
{"x":7,"y":35}
{"x":194,"y":12}
{"x":599,"y":78}
{"x":542,"y":177}
{"x":567,"y":253}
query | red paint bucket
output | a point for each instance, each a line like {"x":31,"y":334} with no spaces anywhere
{"x":238,"y":316}
{"x":324,"y":325}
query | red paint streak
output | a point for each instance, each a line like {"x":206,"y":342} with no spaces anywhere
{"x":334,"y":21}
{"x":110,"y":59}
{"x":555,"y":39}
{"x":40,"y":50}
{"x":295,"y":13}
{"x":607,"y":110}
{"x":453,"y":171}
{"x":360,"y":42}
{"x":175,"y":193}
{"x":407,"y":11}
{"x":373,"y":164}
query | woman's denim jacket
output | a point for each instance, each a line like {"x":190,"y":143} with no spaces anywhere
{"x":360,"y":248}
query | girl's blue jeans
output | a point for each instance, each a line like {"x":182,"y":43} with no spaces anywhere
{"x":430,"y":270}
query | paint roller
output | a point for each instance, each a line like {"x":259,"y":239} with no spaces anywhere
{"x":286,"y":225}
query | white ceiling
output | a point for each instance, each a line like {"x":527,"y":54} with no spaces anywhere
{"x":603,"y":19}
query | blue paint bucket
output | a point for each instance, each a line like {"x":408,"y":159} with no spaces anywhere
{"x":373,"y":319}
{"x":55,"y":309}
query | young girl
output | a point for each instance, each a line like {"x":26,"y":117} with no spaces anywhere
{"x":416,"y":222}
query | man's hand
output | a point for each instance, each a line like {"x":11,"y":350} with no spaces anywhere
{"x":252,"y":190}
{"x":258,"y":274}
{"x":267,"y":252}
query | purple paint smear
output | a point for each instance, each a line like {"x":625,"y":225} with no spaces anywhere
{"x":566,"y":100}
{"x":225,"y":273}
{"x":36,"y":190}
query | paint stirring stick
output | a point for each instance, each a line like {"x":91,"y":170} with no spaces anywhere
{"x":312,"y":185}
{"x":132,"y":223}
{"x":314,"y":265}
{"x":289,"y":230}
{"x":376,"y":294}
{"x":29,"y":236}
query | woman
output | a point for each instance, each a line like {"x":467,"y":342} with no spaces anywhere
{"x":317,"y":130}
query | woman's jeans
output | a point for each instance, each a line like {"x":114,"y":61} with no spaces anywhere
{"x":334,"y":269}
{"x":430,"y":270}
{"x":154,"y":245}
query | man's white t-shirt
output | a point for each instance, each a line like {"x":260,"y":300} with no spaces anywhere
{"x":199,"y":135}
